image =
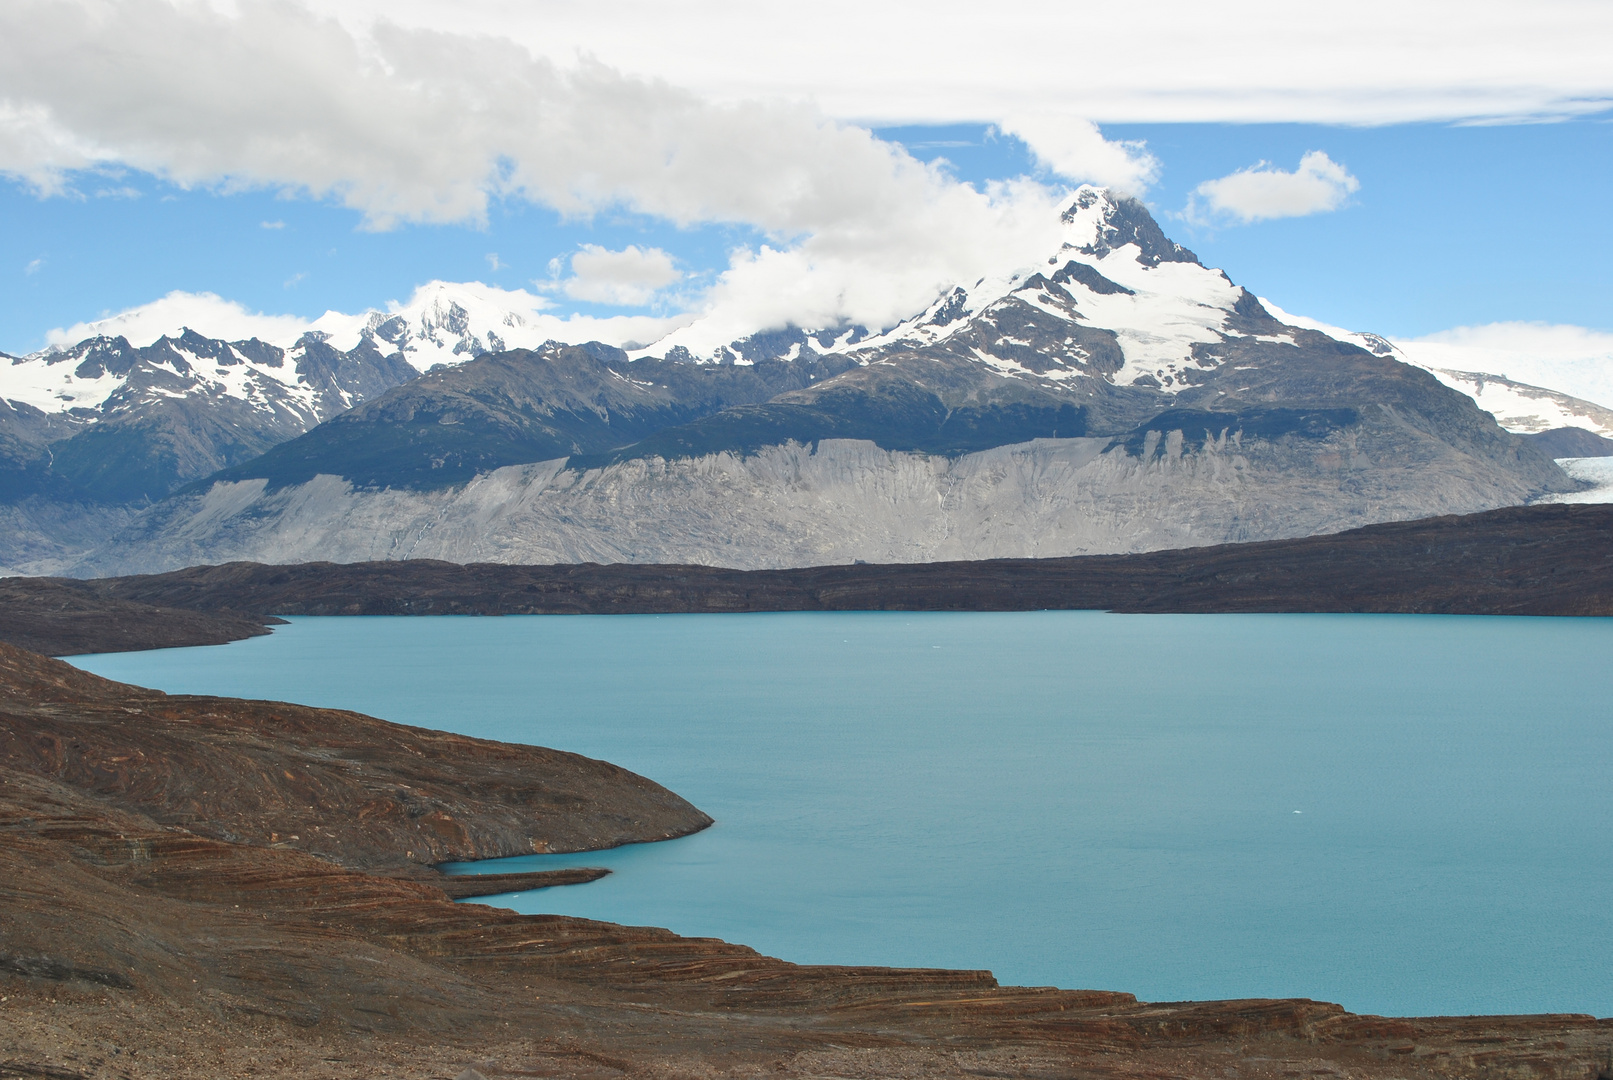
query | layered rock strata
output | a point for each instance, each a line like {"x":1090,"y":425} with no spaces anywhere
{"x":189,"y":888}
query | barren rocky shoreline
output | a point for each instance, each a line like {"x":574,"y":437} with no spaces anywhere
{"x":206,"y":887}
{"x":1526,"y":560}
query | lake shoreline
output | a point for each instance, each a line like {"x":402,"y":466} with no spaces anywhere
{"x":1532,"y":560}
{"x":155,"y":930}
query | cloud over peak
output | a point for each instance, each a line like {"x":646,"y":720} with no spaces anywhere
{"x":1075,"y":149}
{"x":627,"y":278}
{"x":207,"y":313}
{"x":1263,"y":191}
{"x":419,"y":124}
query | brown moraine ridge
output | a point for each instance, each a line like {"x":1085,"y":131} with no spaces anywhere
{"x":199,"y":887}
{"x":1528,"y":560}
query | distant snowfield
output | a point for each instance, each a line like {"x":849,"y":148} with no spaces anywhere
{"x":439,"y":314}
{"x":1569,"y":359}
{"x":1531,"y":377}
{"x":1595,"y":470}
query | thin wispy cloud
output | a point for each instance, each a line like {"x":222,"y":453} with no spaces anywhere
{"x":1168,"y":61}
{"x":271,"y":225}
{"x":33,"y":267}
{"x":493,"y":262}
{"x":1263,"y":192}
{"x":294,"y":280}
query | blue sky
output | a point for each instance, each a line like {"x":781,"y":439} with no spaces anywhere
{"x":1428,"y":166}
{"x":1452,"y":225}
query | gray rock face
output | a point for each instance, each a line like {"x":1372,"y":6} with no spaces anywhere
{"x":1572,"y":442}
{"x":42,"y":537}
{"x":842,"y":500}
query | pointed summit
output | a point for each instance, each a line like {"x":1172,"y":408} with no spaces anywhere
{"x":1100,"y":222}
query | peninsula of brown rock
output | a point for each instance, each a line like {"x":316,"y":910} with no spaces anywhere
{"x":199,"y":887}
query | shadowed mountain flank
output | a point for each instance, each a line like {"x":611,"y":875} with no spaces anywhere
{"x":517,"y":407}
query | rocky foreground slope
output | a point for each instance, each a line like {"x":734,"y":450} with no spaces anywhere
{"x":202,"y":887}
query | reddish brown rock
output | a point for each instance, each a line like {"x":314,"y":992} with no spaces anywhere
{"x":149,"y":928}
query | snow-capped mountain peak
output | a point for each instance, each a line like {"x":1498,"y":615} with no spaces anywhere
{"x":1115,"y":273}
{"x":445,"y":323}
{"x":319,"y":370}
{"x":1116,"y":299}
{"x":1097,"y":223}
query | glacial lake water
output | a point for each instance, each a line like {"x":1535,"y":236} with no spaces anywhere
{"x":1405,"y":815}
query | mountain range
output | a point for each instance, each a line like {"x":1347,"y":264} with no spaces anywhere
{"x":1116,"y":396}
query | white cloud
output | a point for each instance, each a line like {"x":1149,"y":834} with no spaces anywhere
{"x":876,"y":276}
{"x":1572,"y":359}
{"x":413,"y":124}
{"x":1167,"y":61}
{"x":206,"y":313}
{"x":627,"y":278}
{"x":1076,"y":150}
{"x":33,"y":267}
{"x":1262,"y":192}
{"x":517,"y":316}
{"x":271,"y":225}
{"x":413,"y":110}
{"x":37,"y":149}
{"x":426,"y":125}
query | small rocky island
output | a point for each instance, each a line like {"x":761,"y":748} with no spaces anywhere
{"x":197,"y":887}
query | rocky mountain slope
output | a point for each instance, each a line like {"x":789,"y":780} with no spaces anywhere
{"x":92,"y":431}
{"x":1118,"y":396}
{"x":106,"y":422}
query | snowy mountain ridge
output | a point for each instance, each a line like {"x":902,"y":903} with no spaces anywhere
{"x":1115,"y":271}
{"x":1113,"y":395}
{"x":1519,"y":407}
{"x":305,"y":373}
{"x":1137,"y":310}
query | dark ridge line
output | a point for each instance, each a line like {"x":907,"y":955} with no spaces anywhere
{"x":1527,"y":560}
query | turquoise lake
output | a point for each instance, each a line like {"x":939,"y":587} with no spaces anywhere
{"x":1402,"y":814}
